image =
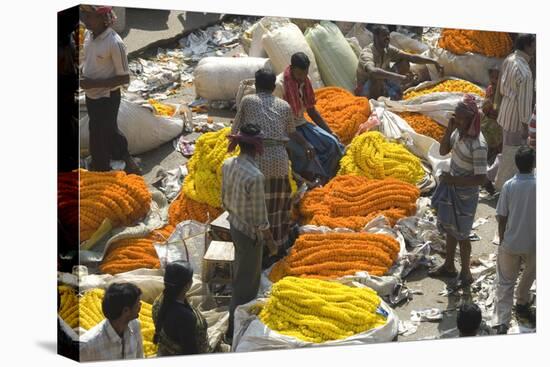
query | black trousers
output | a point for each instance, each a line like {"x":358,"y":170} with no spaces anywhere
{"x":106,"y":140}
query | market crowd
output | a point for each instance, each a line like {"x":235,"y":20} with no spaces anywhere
{"x":272,"y":133}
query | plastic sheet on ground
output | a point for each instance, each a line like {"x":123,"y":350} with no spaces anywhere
{"x":170,"y":182}
{"x":252,"y":335}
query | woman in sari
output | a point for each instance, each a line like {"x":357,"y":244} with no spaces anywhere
{"x":456,"y":196}
{"x":179,"y":327}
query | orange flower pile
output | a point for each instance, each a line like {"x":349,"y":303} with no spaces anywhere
{"x":352,"y":201}
{"x":122,"y":198}
{"x":184,"y":208}
{"x":342,"y":111}
{"x":452,"y":85}
{"x":67,"y":200}
{"x":460,"y":41}
{"x":333,"y":255}
{"x":135,"y":253}
{"x":423,"y":124}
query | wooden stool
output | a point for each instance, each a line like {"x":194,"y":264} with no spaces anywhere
{"x":217,"y":265}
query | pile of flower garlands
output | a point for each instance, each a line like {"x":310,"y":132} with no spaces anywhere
{"x":135,"y":253}
{"x":424,"y":125}
{"x":452,"y":85}
{"x":353,"y":201}
{"x":460,"y":41}
{"x":183,"y":208}
{"x":122,"y":198}
{"x":372,"y":155}
{"x":86,"y":312}
{"x":342,"y":111}
{"x":333,"y":255}
{"x":317,"y":311}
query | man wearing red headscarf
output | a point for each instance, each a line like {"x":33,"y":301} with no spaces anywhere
{"x":104,"y":71}
{"x":455,"y":199}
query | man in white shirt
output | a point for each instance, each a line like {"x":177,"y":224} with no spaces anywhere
{"x":104,"y":71}
{"x":515,"y":92}
{"x":119,"y":335}
{"x":516,"y":214}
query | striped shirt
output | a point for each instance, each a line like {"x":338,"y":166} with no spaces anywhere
{"x":104,"y":57}
{"x":468,"y":155}
{"x":102,"y":343}
{"x":516,"y":87}
{"x":243,"y":195}
{"x":533,"y":130}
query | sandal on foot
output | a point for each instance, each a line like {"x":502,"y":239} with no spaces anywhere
{"x":442,"y":271}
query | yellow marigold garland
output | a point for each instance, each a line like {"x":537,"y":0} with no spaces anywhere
{"x":135,"y":253}
{"x":461,"y":41}
{"x":122,"y":198}
{"x":89,"y":312}
{"x":162,"y":109}
{"x":68,"y":309}
{"x":318,"y":311}
{"x":372,"y":155}
{"x":350,"y":201}
{"x":204,"y":181}
{"x":332,"y":255}
{"x":451,"y":85}
{"x":342,"y":111}
{"x":424,"y":125}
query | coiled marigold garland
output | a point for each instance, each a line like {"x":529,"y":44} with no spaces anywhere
{"x":461,"y":41}
{"x":317,"y":311}
{"x":424,"y":125}
{"x":183,"y":208}
{"x":122,"y":198}
{"x":452,"y":85}
{"x":342,"y":111}
{"x":352,"y":201}
{"x":333,"y":255}
{"x":372,"y":155}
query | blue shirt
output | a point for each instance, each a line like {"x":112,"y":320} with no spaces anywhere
{"x":518,"y":202}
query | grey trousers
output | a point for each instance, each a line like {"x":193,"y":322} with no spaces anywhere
{"x":508,"y":266}
{"x":247,"y":269}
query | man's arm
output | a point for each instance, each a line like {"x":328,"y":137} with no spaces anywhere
{"x":501,"y":227}
{"x":366,"y":62}
{"x":113,"y":82}
{"x":259,"y":213}
{"x":418,"y":59}
{"x":445,"y":145}
{"x":318,"y":119}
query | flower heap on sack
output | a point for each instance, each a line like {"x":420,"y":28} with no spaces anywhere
{"x":183,"y":208}
{"x":334,"y":255}
{"x":353,"y":201}
{"x":372,"y":155}
{"x":123,"y":199}
{"x":318,"y":311}
{"x":204,"y":181}
{"x":135,"y":253}
{"x":342,"y":111}
{"x":460,"y":41}
{"x":87,"y":313}
{"x":162,"y":109}
{"x":456,"y":86}
{"x":424,"y":125}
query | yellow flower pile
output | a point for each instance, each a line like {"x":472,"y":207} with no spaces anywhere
{"x":342,"y":111}
{"x":318,"y":311}
{"x":204,"y":181}
{"x":372,"y":156}
{"x":162,"y":109}
{"x":459,"y":86}
{"x":88,"y":307}
{"x":461,"y":41}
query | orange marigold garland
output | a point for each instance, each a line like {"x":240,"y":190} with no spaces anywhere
{"x":460,"y":41}
{"x":135,"y":253}
{"x":333,"y":255}
{"x":342,"y":111}
{"x":183,"y":208}
{"x":424,"y":125}
{"x":122,"y":198}
{"x":352,"y":201}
